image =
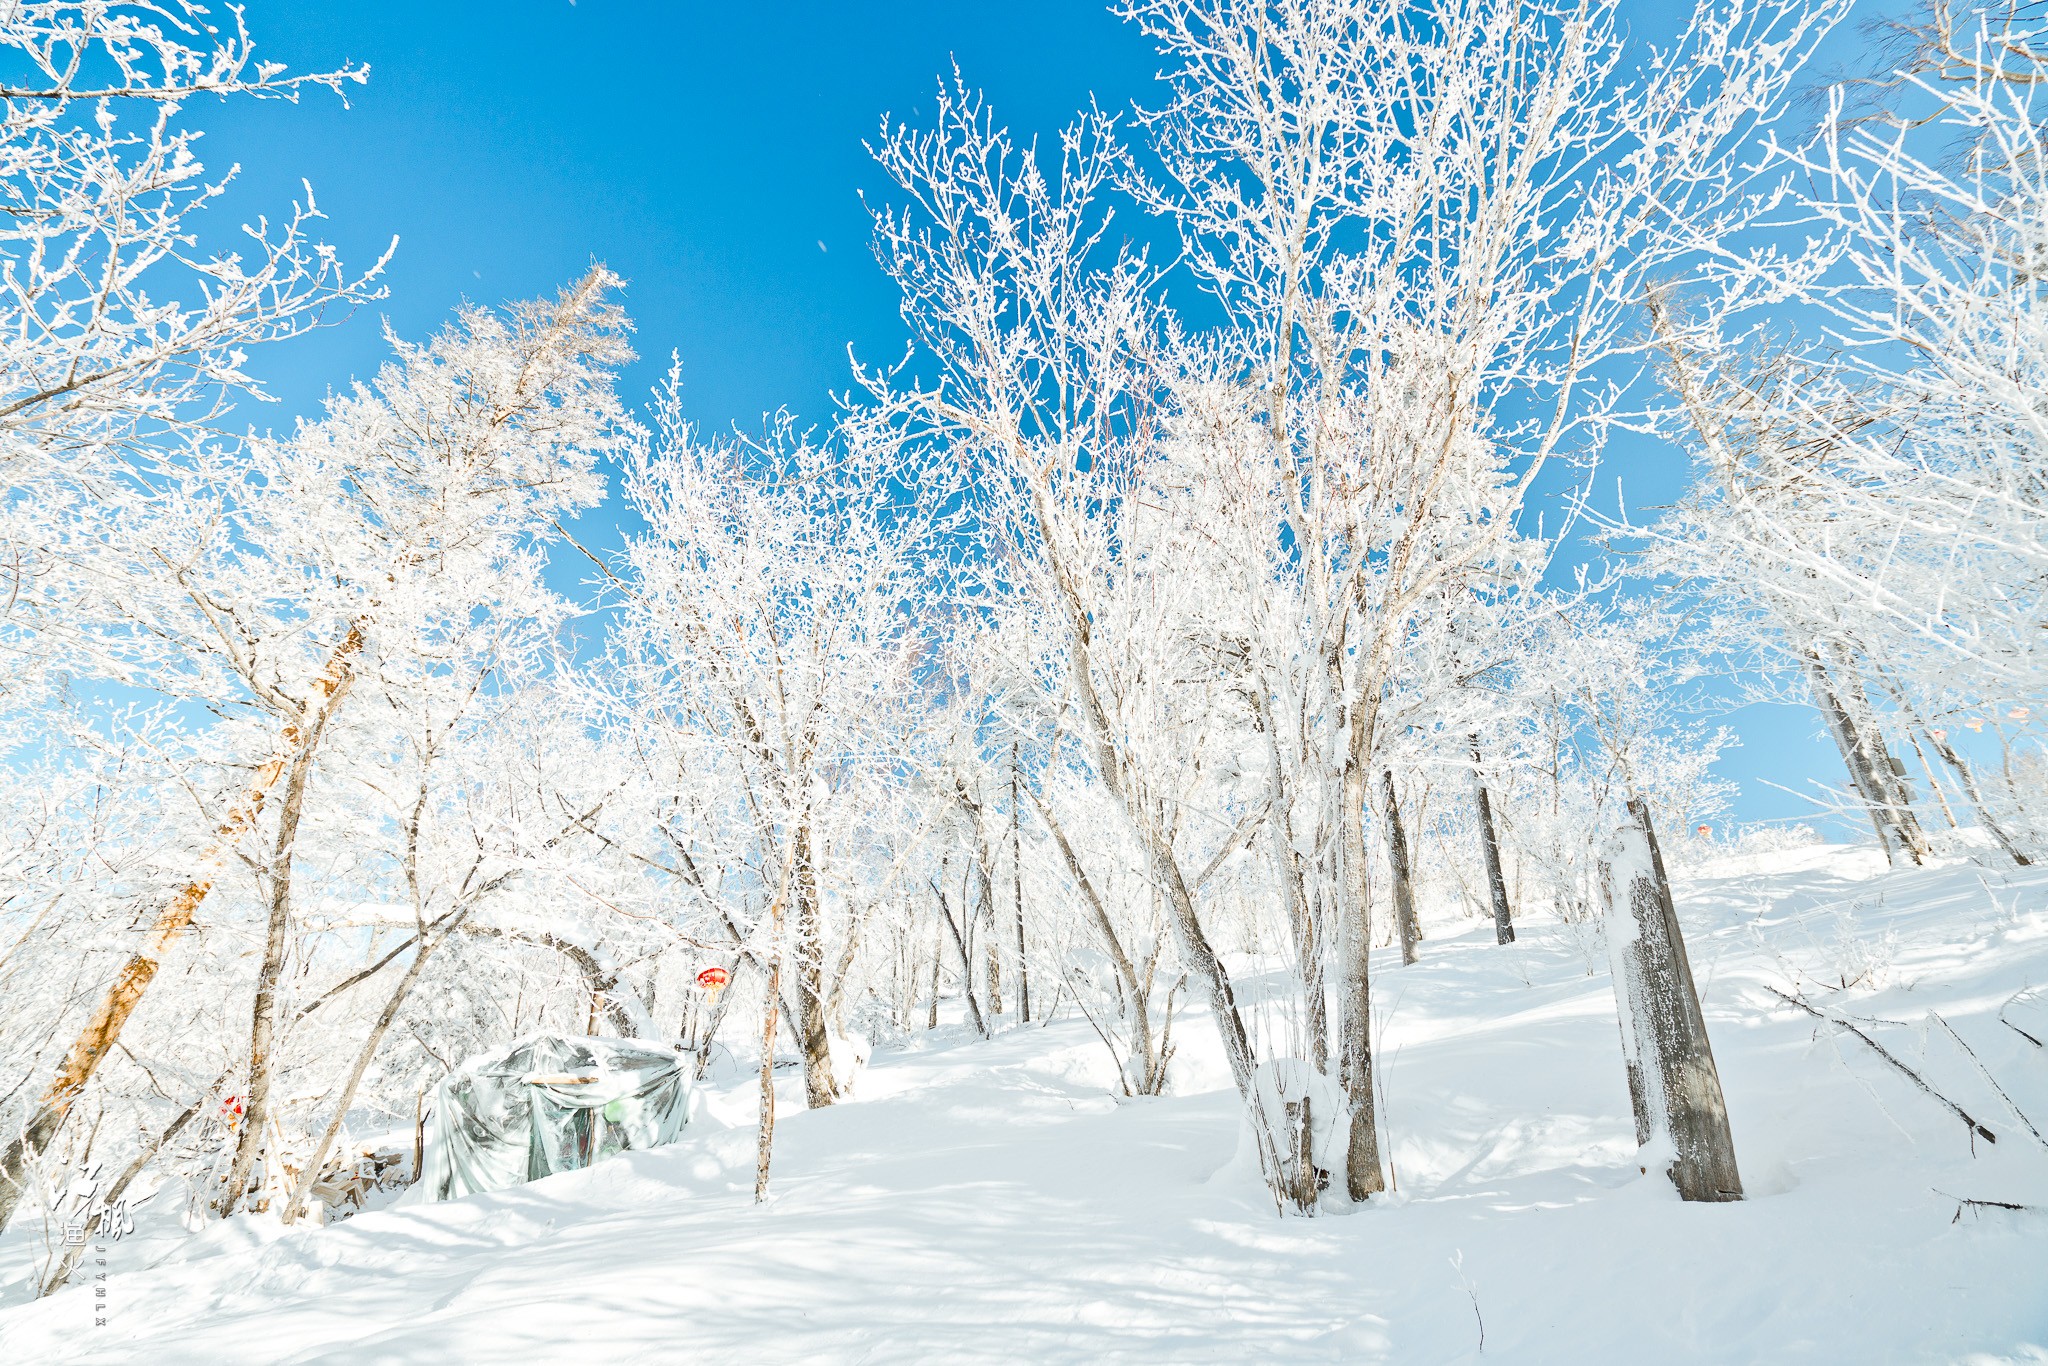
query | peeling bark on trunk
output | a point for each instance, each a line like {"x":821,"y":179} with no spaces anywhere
{"x":821,"y":1088}
{"x":103,"y":1029}
{"x":1674,"y":1088}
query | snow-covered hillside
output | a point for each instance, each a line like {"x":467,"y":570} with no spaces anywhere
{"x":993,"y":1202}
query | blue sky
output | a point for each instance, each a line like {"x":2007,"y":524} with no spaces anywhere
{"x":711,"y":154}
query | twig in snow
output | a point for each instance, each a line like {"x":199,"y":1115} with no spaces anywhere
{"x":1964,"y":1202}
{"x":1882,"y":1052}
{"x":1471,"y":1293}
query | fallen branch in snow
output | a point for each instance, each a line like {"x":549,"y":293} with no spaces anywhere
{"x":1970,"y":1121}
{"x":1964,"y":1202}
{"x":2023,"y":991}
{"x":1989,"y":1080}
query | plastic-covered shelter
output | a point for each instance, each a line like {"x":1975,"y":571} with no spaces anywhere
{"x":549,"y":1103}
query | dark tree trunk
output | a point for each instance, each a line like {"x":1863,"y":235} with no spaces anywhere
{"x":1674,"y":1088}
{"x":1397,"y":856}
{"x":1489,"y":844}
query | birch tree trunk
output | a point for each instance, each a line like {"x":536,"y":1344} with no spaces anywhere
{"x":821,"y":1088}
{"x":103,"y":1029}
{"x":764,"y":1148}
{"x":1674,"y":1089}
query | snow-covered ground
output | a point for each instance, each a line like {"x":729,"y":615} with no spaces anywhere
{"x":992,"y":1202}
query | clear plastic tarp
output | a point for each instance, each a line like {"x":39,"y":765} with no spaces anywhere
{"x":547,"y":1104}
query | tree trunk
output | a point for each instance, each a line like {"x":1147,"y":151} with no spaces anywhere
{"x":111,"y":1015}
{"x":1017,"y":896}
{"x":263,"y":1013}
{"x":112,"y":1199}
{"x":1363,"y":1175}
{"x":311,"y":1172}
{"x":821,"y":1088}
{"x":765,"y":1146}
{"x":1196,"y":953}
{"x":1137,"y":1008}
{"x":1304,"y":919}
{"x":985,"y":892}
{"x":938,"y":962}
{"x":1489,"y":844}
{"x":1863,"y":751}
{"x":1966,"y":780}
{"x":1674,"y":1088}
{"x":1890,"y":773}
{"x":966,"y":966}
{"x":1397,"y":856}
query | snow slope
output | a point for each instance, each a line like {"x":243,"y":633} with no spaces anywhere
{"x":991,"y":1202}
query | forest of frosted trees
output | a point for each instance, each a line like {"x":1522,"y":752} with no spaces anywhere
{"x":1228,"y":568}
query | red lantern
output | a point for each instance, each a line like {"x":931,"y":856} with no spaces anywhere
{"x":1706,"y":830}
{"x":712,"y":979}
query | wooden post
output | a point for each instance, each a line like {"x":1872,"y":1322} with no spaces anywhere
{"x":1673,"y":1086}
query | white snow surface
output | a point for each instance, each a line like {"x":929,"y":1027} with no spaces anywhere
{"x":992,"y":1201}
